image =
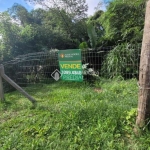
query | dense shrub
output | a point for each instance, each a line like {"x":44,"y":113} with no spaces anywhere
{"x":123,"y":61}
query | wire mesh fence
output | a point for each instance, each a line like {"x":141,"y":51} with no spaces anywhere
{"x":105,"y":62}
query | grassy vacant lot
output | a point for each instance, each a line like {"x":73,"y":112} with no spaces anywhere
{"x":72,"y":116}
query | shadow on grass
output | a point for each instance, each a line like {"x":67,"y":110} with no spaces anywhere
{"x":5,"y":105}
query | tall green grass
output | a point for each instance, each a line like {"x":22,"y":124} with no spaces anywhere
{"x":72,"y":116}
{"x":123,"y":61}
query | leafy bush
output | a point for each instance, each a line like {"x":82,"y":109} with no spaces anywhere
{"x":89,"y":73}
{"x":123,"y":61}
{"x":83,"y":45}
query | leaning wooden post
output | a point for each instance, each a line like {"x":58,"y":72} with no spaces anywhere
{"x":5,"y":77}
{"x":1,"y":84}
{"x":144,"y":77}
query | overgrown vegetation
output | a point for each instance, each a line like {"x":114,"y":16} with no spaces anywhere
{"x":72,"y":116}
{"x":123,"y":61}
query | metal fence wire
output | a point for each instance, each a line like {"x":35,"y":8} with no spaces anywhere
{"x":105,"y":62}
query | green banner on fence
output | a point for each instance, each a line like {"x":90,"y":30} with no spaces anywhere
{"x":70,"y":65}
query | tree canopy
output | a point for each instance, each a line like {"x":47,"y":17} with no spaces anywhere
{"x":64,"y":24}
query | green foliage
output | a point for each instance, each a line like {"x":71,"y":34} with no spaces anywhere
{"x":92,"y":34}
{"x":10,"y":36}
{"x":20,"y":13}
{"x":122,"y":61}
{"x":27,"y":33}
{"x":75,"y":9}
{"x":130,"y":120}
{"x":123,"y":21}
{"x":65,"y":25}
{"x":95,"y":20}
{"x":40,"y":30}
{"x":72,"y":116}
{"x":83,"y":45}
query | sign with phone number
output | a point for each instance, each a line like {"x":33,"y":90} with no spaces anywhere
{"x":70,"y":65}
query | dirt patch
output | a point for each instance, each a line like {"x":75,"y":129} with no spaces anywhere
{"x":98,"y":90}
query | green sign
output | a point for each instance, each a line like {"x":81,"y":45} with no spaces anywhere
{"x":70,"y":65}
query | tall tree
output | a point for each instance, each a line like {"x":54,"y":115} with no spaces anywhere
{"x":75,"y":8}
{"x":123,"y":21}
{"x":20,"y":13}
{"x":71,"y":14}
{"x":95,"y":28}
{"x":9,"y":32}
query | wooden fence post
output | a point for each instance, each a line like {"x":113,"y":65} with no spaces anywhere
{"x":5,"y":77}
{"x":144,"y":77}
{"x":1,"y":84}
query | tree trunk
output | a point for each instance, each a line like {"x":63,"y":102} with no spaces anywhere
{"x":144,"y":77}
